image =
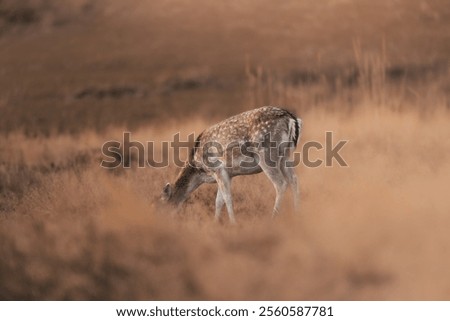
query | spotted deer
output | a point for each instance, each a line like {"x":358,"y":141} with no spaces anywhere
{"x":241,"y":145}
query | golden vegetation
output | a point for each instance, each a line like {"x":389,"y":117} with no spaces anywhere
{"x":377,"y":229}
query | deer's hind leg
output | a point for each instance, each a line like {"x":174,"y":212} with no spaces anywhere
{"x":291,"y":177}
{"x":278,"y":180}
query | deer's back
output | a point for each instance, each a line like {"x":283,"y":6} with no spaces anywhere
{"x":251,"y":125}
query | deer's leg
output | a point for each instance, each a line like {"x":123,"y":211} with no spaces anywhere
{"x":279,"y":182}
{"x":219,"y":204}
{"x":291,"y":177}
{"x":224,"y":183}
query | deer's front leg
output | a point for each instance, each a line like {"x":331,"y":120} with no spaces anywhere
{"x":224,"y":183}
{"x":219,"y":204}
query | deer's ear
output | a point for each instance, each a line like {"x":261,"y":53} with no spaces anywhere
{"x":167,"y":192}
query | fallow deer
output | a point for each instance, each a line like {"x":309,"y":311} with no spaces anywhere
{"x":241,"y":145}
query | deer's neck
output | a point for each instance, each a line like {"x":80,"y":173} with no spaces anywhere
{"x":188,"y":181}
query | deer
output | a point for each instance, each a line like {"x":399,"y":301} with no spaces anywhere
{"x":243,"y":144}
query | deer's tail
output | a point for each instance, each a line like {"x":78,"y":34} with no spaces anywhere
{"x":295,"y":129}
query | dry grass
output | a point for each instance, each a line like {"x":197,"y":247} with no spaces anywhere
{"x":376,"y":230}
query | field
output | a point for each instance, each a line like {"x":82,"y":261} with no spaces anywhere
{"x":79,"y":73}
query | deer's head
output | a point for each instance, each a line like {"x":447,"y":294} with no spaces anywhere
{"x":189,"y":178}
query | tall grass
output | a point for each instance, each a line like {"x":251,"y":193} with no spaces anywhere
{"x":70,"y":229}
{"x":374,"y":230}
